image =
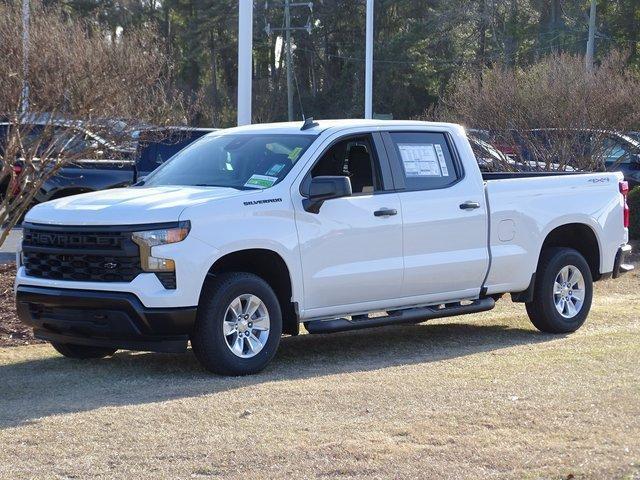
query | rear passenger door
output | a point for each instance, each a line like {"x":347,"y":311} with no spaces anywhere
{"x":444,"y":217}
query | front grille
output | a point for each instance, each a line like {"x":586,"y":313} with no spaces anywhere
{"x":83,"y":268}
{"x":80,"y":254}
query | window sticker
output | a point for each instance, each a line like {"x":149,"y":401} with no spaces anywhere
{"x":293,"y":156}
{"x":275,"y":170}
{"x":260,"y":181}
{"x":442,"y":162}
{"x":422,"y":160}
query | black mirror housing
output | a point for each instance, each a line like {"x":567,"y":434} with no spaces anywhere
{"x":323,"y":188}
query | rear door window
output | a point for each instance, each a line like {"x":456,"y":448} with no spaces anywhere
{"x":426,"y":160}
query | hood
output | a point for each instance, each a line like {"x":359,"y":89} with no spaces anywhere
{"x":127,"y":206}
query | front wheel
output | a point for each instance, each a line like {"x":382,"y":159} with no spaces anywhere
{"x":238,"y":325}
{"x":82,"y":352}
{"x":562,"y":293}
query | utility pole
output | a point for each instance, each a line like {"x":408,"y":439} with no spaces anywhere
{"x":287,"y":45}
{"x":588,"y":58}
{"x":245,"y":57}
{"x":368,"y":64}
{"x":25,"y":56}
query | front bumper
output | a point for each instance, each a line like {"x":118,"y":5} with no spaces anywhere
{"x":621,"y":265}
{"x":104,"y":319}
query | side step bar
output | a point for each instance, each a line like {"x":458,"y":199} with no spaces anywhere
{"x":412,"y":315}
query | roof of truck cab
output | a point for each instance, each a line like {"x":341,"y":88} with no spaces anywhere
{"x":322,"y":125}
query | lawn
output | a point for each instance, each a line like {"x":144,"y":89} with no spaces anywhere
{"x":482,"y":396}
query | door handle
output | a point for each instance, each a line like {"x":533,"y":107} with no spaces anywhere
{"x":469,"y":205}
{"x":385,"y":212}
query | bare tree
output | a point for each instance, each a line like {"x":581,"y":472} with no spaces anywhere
{"x":80,"y":80}
{"x":556,"y":95}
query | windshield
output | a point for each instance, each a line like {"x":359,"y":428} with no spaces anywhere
{"x":237,"y":161}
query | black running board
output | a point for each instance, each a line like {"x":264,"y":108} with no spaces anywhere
{"x":412,"y":315}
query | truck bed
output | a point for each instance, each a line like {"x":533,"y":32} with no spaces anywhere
{"x":525,"y":207}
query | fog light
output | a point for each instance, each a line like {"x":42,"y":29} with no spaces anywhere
{"x":155,"y":264}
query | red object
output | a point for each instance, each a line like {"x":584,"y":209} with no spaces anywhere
{"x":15,"y":185}
{"x":506,"y":149}
{"x":624,"y":190}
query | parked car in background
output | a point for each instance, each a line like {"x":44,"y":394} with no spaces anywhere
{"x":106,"y":165}
{"x":490,"y":159}
{"x":500,"y":141}
{"x":97,"y":163}
{"x":157,"y":145}
{"x":600,"y":150}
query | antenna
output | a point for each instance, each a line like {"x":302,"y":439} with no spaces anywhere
{"x":309,"y":123}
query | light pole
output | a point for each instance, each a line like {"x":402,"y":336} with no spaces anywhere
{"x":245,"y":56}
{"x":368,"y":68}
{"x":25,"y":56}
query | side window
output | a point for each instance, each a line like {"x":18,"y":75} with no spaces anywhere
{"x":426,"y":160}
{"x":353,"y":157}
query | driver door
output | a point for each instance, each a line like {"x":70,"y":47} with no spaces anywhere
{"x":351,"y":250}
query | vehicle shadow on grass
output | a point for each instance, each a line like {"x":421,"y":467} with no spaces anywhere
{"x":50,"y":386}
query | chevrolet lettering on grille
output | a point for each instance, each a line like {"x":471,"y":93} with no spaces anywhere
{"x":71,"y":240}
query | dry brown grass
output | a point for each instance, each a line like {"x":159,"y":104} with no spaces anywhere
{"x":473,"y":397}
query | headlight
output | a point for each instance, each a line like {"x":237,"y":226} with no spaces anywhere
{"x":162,"y":236}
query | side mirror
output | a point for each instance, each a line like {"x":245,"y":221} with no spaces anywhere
{"x":323,"y":188}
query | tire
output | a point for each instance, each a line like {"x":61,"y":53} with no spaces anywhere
{"x":82,"y":352}
{"x":217,"y":342}
{"x":558,"y":310}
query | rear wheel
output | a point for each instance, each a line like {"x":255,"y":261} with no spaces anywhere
{"x":238,"y":326}
{"x":562,"y":293}
{"x":82,"y":351}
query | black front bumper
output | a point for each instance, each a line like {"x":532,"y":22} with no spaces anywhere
{"x":105,"y":319}
{"x":621,"y":265}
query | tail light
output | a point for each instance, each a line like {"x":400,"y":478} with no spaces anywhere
{"x":624,"y":190}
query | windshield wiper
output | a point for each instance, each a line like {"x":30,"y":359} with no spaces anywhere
{"x":215,"y":185}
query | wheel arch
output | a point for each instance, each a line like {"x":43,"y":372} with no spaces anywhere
{"x":272,"y":268}
{"x":580,"y":237}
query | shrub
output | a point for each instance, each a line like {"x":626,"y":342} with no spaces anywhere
{"x":555,"y":93}
{"x":77,"y":75}
{"x":634,"y":206}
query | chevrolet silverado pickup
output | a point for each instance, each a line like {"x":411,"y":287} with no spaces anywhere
{"x":338,"y":225}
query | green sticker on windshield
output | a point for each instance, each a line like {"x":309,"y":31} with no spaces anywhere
{"x":260,"y":181}
{"x":293,"y":156}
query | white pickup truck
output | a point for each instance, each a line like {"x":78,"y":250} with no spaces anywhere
{"x":339,"y":225}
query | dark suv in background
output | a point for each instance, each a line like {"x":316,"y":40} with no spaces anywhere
{"x":106,"y":165}
{"x":157,"y":145}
